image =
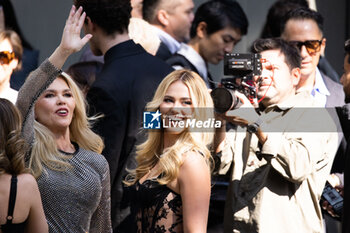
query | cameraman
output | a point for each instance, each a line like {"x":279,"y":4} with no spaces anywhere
{"x":281,"y":158}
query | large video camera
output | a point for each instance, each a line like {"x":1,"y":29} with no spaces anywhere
{"x":242,"y":67}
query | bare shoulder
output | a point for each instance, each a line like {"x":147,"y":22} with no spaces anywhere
{"x":194,"y":177}
{"x":27,"y":181}
{"x":194,"y":164}
{"x":194,"y":173}
{"x":26,"y":177}
{"x":190,"y":158}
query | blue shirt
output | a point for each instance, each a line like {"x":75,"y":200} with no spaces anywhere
{"x":319,"y":90}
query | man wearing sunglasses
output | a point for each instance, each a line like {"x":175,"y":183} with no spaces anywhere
{"x":304,"y":28}
{"x":10,"y":59}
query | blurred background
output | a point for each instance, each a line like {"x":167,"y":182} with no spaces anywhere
{"x":42,"y":22}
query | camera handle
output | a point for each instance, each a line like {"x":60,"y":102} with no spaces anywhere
{"x":250,"y":92}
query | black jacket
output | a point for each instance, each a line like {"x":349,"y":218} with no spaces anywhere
{"x":126,"y":83}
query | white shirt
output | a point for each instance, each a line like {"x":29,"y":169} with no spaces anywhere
{"x":9,"y":94}
{"x":319,"y":90}
{"x":196,"y":60}
{"x":172,"y":44}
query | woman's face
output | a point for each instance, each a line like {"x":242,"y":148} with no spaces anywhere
{"x":176,"y":107}
{"x":55,"y":107}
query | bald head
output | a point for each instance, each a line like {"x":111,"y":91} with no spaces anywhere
{"x":150,"y":8}
{"x":172,"y":16}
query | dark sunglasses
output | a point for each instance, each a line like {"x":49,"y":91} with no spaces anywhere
{"x":6,"y":57}
{"x":312,"y":46}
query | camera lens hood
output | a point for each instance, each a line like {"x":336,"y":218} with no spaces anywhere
{"x":224,"y":99}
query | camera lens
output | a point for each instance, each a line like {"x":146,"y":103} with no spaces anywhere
{"x":224,"y":99}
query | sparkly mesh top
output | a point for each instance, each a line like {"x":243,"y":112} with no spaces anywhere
{"x":157,"y":208}
{"x":77,"y":199}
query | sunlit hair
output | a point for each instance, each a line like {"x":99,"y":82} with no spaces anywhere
{"x":45,"y":152}
{"x":12,"y":146}
{"x":16,"y":44}
{"x":151,"y":152}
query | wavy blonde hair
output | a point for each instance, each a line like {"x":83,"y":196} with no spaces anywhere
{"x":44,"y":150}
{"x":151,"y":152}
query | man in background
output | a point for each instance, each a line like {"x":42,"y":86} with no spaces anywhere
{"x":304,"y":28}
{"x":172,"y":22}
{"x":217,"y":27}
{"x":283,"y":154}
{"x":125,"y":84}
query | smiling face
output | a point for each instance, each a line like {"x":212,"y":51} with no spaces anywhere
{"x":177,"y":105}
{"x":214,"y":46}
{"x":277,"y":82}
{"x":55,"y":107}
{"x":301,"y":31}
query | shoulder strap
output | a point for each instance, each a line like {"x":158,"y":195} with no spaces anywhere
{"x":12,"y":201}
{"x":180,"y":60}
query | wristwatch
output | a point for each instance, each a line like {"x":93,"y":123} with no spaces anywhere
{"x":253,"y":128}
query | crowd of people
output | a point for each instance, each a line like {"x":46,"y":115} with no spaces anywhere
{"x":77,"y":155}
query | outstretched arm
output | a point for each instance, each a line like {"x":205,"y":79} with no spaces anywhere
{"x":44,"y":75}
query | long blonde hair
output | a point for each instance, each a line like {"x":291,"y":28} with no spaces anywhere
{"x":151,"y":152}
{"x":44,"y":150}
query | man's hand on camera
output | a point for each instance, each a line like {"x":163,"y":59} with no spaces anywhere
{"x":243,"y":115}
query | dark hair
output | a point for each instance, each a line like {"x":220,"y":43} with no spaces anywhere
{"x":302,"y":14}
{"x":347,"y":48}
{"x":84,"y":73}
{"x":149,"y":8}
{"x":277,"y":12}
{"x":111,"y":15}
{"x":12,"y":146}
{"x":291,"y":54}
{"x":218,"y":14}
{"x":11,"y":22}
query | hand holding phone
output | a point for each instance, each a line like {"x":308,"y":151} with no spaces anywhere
{"x":334,"y":199}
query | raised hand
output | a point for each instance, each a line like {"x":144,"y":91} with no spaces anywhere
{"x":71,"y":41}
